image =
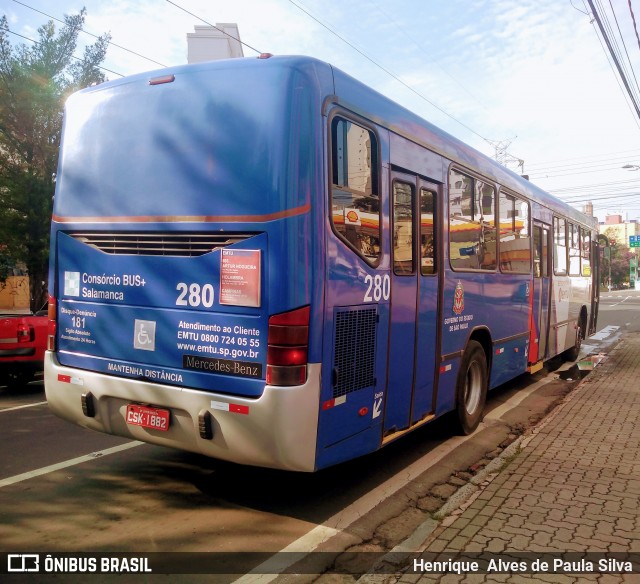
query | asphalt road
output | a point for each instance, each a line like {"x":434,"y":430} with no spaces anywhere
{"x":64,"y":488}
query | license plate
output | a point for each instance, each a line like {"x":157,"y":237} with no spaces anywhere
{"x":151,"y":418}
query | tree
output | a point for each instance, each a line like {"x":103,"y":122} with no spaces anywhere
{"x":620,"y":260}
{"x":35,"y":81}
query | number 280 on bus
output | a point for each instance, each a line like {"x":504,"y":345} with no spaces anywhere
{"x":267,"y":262}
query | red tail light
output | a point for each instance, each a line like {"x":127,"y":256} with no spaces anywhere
{"x":287,"y":347}
{"x":52,"y":324}
{"x":25,"y":333}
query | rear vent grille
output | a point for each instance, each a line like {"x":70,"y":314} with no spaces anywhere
{"x":160,"y":244}
{"x":354,"y":351}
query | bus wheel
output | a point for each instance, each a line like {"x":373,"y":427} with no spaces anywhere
{"x":471,"y":388}
{"x":572,"y":354}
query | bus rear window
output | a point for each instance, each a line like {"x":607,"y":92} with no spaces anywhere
{"x":355,"y":204}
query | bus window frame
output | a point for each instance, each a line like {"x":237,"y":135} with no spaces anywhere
{"x":376,"y":178}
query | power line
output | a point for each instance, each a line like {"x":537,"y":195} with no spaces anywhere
{"x":90,"y":34}
{"x":577,"y":171}
{"x":633,"y":19}
{"x":632,"y":152}
{"x":385,"y":70}
{"x":615,"y":58}
{"x":616,"y":77}
{"x":600,"y":197}
{"x":609,"y":186}
{"x":586,"y":162}
{"x":624,"y":44}
{"x":424,"y":52}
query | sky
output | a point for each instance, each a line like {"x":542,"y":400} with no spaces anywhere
{"x":534,"y":74}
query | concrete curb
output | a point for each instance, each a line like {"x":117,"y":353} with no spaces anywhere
{"x":455,"y":505}
{"x":464,"y":496}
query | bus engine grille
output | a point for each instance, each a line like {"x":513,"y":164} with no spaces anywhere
{"x":354,"y":351}
{"x":159,"y":243}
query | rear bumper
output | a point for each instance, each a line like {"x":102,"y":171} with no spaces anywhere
{"x":277,"y":430}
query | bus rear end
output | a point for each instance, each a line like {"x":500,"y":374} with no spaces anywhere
{"x":183,"y":263}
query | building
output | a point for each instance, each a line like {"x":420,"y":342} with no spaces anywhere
{"x":209,"y":43}
{"x":618,"y":230}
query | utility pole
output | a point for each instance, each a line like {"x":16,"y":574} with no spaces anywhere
{"x":503,"y":157}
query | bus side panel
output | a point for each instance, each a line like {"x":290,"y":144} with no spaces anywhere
{"x":356,"y":329}
{"x":489,"y":306}
{"x":355,"y":363}
{"x":560,"y":335}
{"x":509,"y":360}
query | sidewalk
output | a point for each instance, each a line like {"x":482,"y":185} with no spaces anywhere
{"x":573,"y":486}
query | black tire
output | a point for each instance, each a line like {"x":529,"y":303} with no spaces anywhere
{"x":17,"y":379}
{"x":471,"y":388}
{"x":573,"y":353}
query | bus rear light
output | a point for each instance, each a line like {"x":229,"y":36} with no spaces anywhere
{"x":287,"y":347}
{"x":288,"y":335}
{"x":286,"y":376}
{"x":52,"y":324}
{"x":286,"y":355}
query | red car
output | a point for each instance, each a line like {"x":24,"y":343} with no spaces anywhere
{"x":23,"y":340}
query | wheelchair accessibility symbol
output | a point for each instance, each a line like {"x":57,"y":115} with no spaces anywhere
{"x":144,"y":335}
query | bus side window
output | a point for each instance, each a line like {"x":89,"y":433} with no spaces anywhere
{"x":427,"y":232}
{"x":537,"y":251}
{"x":560,"y":246}
{"x":515,"y":241}
{"x":545,"y":253}
{"x":403,"y":261}
{"x":355,"y":202}
{"x":472,"y":227}
{"x":574,"y":249}
{"x":586,"y":252}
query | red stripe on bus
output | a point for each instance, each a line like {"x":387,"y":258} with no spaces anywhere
{"x":188,"y":218}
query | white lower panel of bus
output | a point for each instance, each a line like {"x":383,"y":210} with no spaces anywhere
{"x":277,"y":430}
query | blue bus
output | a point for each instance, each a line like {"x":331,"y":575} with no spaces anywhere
{"x":267,"y":262}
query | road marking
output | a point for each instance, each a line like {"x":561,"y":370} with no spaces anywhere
{"x":621,"y":302}
{"x":276,"y":564}
{"x":21,"y":407}
{"x":67,"y":463}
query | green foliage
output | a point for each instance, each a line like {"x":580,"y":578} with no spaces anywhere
{"x":35,"y":81}
{"x":620,"y":260}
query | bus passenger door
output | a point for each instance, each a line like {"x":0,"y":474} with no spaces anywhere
{"x":414,"y":303}
{"x":541,"y":289}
